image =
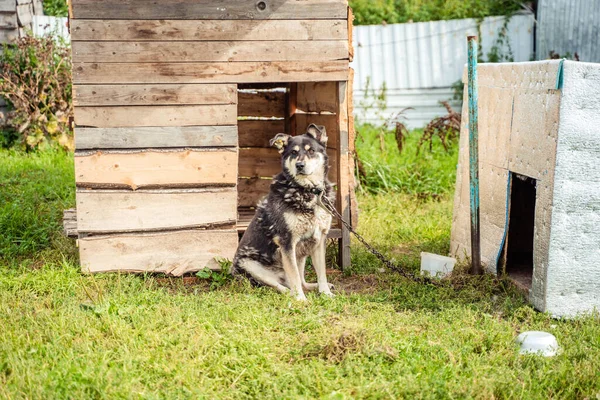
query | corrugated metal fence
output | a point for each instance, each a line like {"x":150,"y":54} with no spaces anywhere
{"x":566,"y":27}
{"x":419,"y":62}
{"x":45,"y":25}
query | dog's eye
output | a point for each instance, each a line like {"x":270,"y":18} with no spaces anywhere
{"x":294,"y":152}
{"x":311,"y":151}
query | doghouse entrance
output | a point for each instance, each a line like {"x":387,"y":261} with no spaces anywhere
{"x":519,"y":243}
{"x":265,"y":109}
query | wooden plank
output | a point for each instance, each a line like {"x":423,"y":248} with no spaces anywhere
{"x":141,"y":95}
{"x":257,"y":133}
{"x":350,"y":31}
{"x":70,"y":222}
{"x":329,"y":121}
{"x":343,"y":176}
{"x":25,"y":14}
{"x":263,"y":85}
{"x":162,"y":137}
{"x":352,"y":153}
{"x":207,"y":9}
{"x":126,"y":116}
{"x":317,"y":97}
{"x":8,"y":21}
{"x":230,"y":51}
{"x":351,"y":130}
{"x":269,"y":104}
{"x":290,"y":108}
{"x":217,"y":72}
{"x":250,"y":191}
{"x":174,"y":253}
{"x":8,"y":6}
{"x":266,"y":162}
{"x":102,"y":211}
{"x":8,"y":36}
{"x":153,"y":168}
{"x":218,"y":30}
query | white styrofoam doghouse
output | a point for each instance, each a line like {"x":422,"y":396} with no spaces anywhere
{"x":539,"y":154}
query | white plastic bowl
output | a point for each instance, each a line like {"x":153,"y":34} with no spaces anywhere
{"x":538,"y":342}
{"x":436,"y":265}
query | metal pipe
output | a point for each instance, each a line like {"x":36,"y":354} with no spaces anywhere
{"x":474,"y":156}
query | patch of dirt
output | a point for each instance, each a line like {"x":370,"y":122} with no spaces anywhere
{"x":356,"y":283}
{"x":363,"y":284}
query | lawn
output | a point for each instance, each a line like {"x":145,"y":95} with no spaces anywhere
{"x":69,"y":335}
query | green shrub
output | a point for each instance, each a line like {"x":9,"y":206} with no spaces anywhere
{"x":57,"y":8}
{"x":35,"y":81}
{"x":373,"y":12}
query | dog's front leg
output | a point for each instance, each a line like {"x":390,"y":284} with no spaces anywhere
{"x":318,"y":260}
{"x":292,"y":273}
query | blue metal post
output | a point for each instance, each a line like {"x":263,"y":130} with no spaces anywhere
{"x":474,"y":157}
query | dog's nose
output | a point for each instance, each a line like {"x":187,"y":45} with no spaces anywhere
{"x":300,"y":165}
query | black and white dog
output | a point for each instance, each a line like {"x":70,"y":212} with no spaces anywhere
{"x":291,"y":223}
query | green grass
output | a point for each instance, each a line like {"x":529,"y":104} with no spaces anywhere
{"x":34,"y":190}
{"x":430,"y":173}
{"x":68,"y":335}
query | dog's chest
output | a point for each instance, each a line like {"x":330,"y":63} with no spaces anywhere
{"x":306,"y":226}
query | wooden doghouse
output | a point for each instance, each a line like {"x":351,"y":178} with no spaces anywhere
{"x":175,"y":103}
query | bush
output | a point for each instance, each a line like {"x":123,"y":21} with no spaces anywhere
{"x":57,"y":8}
{"x":373,"y":12}
{"x":35,"y":81}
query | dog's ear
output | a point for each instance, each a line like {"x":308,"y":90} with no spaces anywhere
{"x":280,"y":141}
{"x":318,"y":132}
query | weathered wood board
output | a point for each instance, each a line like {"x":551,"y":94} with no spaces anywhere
{"x":343,"y":178}
{"x":174,"y":253}
{"x":261,"y":104}
{"x":133,"y":116}
{"x":217,"y":30}
{"x":257,"y":133}
{"x":316,"y":97}
{"x":161,"y":137}
{"x":250,"y":191}
{"x":230,"y":51}
{"x":103,"y":211}
{"x":153,"y":95}
{"x":153,"y":168}
{"x":215,"y":72}
{"x":207,"y":9}
{"x":8,"y":21}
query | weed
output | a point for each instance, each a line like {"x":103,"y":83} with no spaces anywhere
{"x":216,"y":278}
{"x":35,"y":81}
{"x":446,"y":128}
{"x":428,"y":175}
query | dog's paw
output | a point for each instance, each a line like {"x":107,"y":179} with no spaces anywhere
{"x":327,"y":292}
{"x":300,"y":297}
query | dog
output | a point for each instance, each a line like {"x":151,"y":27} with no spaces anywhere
{"x":291,"y":223}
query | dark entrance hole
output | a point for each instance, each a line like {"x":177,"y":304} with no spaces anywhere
{"x":519,"y":242}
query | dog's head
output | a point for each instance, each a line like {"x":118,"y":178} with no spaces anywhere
{"x":304,"y":157}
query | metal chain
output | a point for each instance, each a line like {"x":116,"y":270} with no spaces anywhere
{"x":327,"y":206}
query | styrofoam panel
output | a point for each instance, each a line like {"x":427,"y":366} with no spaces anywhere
{"x":573,"y":277}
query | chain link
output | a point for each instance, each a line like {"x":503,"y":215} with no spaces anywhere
{"x":327,"y":206}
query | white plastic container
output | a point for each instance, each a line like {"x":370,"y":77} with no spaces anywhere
{"x":436,"y":265}
{"x":538,"y":342}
